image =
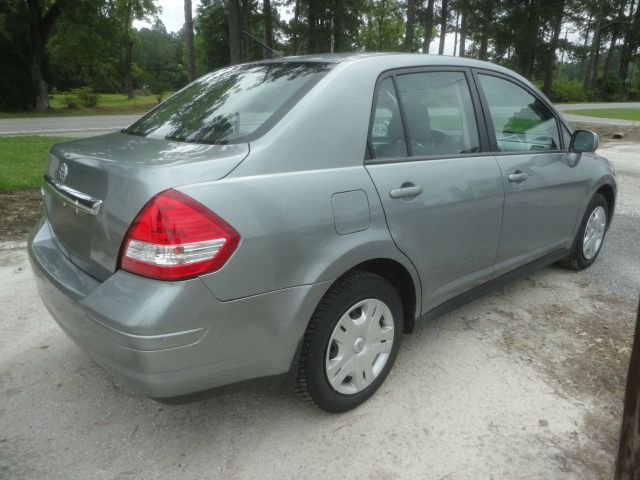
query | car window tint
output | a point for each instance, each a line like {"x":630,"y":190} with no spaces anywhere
{"x":520,"y":120}
{"x":229,"y":105}
{"x":439,"y":113}
{"x":387,"y":134}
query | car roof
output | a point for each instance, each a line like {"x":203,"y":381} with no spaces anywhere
{"x":394,"y":60}
{"x":381,"y":58}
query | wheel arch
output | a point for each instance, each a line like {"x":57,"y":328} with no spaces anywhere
{"x":608,"y":192}
{"x":402,"y":280}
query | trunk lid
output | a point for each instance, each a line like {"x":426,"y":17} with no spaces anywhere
{"x":120,"y":173}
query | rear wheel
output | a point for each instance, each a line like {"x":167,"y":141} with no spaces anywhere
{"x":590,"y":236}
{"x":351,"y":342}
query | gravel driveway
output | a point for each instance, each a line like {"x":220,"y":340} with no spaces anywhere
{"x":524,"y":383}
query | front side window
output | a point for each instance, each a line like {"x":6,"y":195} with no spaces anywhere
{"x":439,"y":113}
{"x":521,"y":121}
{"x":231,"y":105}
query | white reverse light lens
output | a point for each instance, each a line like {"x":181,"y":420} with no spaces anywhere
{"x":168,"y":255}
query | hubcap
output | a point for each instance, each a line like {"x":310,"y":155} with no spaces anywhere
{"x":359,"y":346}
{"x":594,"y":233}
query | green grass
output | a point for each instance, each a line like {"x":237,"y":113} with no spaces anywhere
{"x":108,"y":103}
{"x":619,"y":113}
{"x":23,"y":160}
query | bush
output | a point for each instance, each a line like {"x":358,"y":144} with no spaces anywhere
{"x":567,"y":91}
{"x":88,"y":98}
{"x":633,"y":94}
{"x":610,"y":88}
{"x":70,"y":100}
{"x":84,"y":96}
{"x":158,"y":85}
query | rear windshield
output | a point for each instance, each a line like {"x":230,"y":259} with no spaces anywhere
{"x":232,"y":105}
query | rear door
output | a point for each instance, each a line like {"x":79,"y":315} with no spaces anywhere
{"x":441,"y":190}
{"x":544,"y":189}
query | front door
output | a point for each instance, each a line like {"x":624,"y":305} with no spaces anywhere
{"x":442,"y":197}
{"x":543,"y":186}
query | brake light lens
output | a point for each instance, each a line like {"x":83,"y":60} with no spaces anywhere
{"x":175,"y":238}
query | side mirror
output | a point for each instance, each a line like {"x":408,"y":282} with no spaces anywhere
{"x":584,"y":141}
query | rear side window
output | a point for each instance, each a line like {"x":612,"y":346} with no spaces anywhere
{"x":387,"y":134}
{"x":232,"y":105}
{"x":439,"y":113}
{"x":520,"y":120}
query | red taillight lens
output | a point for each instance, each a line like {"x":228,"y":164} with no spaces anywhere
{"x":175,"y":238}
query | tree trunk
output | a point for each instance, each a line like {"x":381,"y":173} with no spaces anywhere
{"x":268,"y":27}
{"x":557,"y":28}
{"x":628,"y":459}
{"x":338,"y":26}
{"x":191,"y":49}
{"x":408,"y":32}
{"x":380,"y":22}
{"x":589,"y":78}
{"x":41,"y":87}
{"x":235,"y":53}
{"x":484,"y":36}
{"x":444,"y":16}
{"x":629,"y":44}
{"x":244,"y":26}
{"x":428,"y":27}
{"x":463,"y":34}
{"x":128,"y":50}
{"x":615,"y":35}
{"x":608,"y":64}
{"x":457,"y":30}
{"x":531,"y":41}
{"x":39,"y":28}
{"x":312,"y":26}
{"x":296,"y":19}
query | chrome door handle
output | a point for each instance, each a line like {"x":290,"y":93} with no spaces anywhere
{"x":518,"y":177}
{"x":404,"y":192}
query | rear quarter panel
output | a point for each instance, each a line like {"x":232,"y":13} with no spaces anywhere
{"x":288,"y":232}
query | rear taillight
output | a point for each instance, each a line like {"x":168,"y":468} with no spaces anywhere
{"x":175,"y":238}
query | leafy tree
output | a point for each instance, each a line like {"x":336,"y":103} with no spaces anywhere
{"x":81,"y":50}
{"x":42,"y":16}
{"x":159,"y":55}
{"x":128,"y":11}
{"x":212,"y":35}
{"x":412,"y":6}
{"x":383,"y":26}
{"x":16,"y":90}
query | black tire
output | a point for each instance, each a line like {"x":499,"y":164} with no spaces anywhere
{"x":576,"y":260}
{"x":312,"y":381}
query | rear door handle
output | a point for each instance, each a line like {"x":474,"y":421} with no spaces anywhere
{"x":404,"y":192}
{"x":517,"y":177}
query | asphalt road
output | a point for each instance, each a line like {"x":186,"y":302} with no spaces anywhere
{"x":565,"y":107}
{"x":85,"y":126}
{"x":526,"y":382}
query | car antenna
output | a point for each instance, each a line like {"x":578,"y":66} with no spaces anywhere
{"x":274,"y":53}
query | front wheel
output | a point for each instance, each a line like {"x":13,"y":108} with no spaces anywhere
{"x":590,"y":236}
{"x":351,"y":342}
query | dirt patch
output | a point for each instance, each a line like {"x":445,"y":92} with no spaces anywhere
{"x":19,"y":212}
{"x":605,"y":132}
{"x":578,"y":338}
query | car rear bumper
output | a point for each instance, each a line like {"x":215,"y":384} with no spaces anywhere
{"x":170,"y":339}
